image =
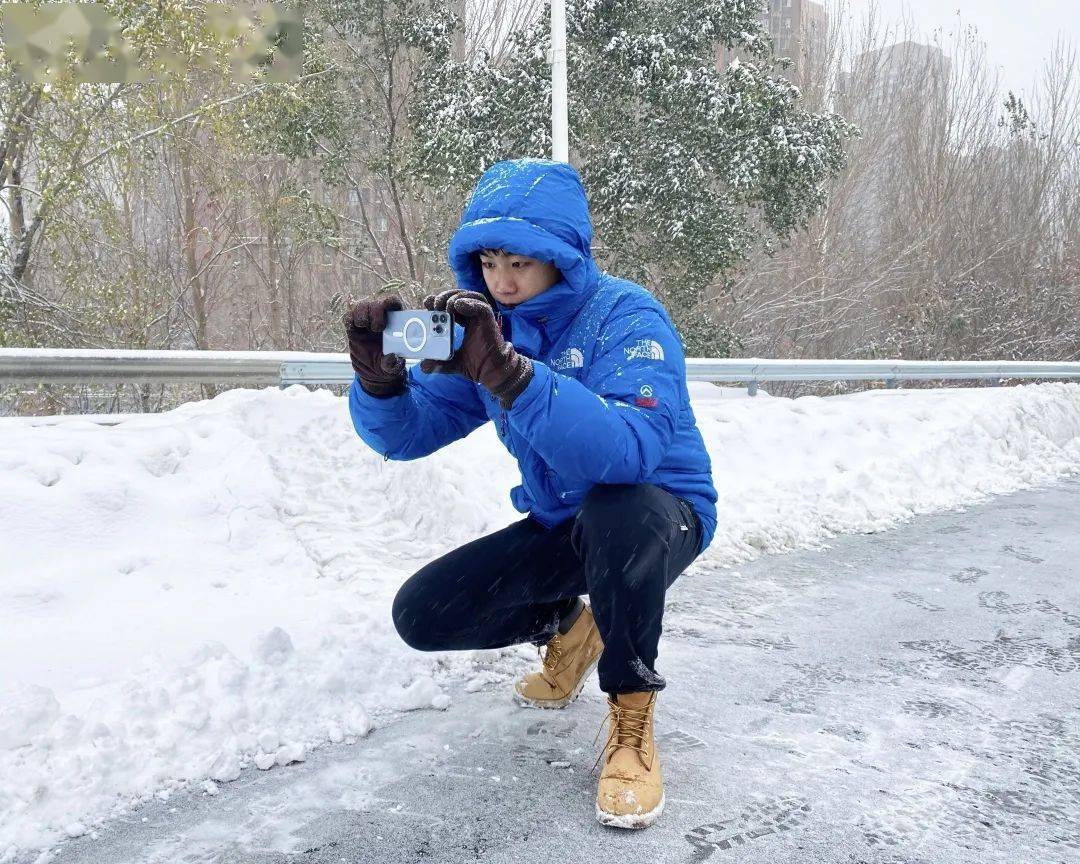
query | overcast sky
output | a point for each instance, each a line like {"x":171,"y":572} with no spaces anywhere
{"x":1018,"y":33}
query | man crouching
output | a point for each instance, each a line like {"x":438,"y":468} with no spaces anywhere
{"x":584,"y":377}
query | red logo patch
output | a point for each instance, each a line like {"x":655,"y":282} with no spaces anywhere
{"x":646,"y":402}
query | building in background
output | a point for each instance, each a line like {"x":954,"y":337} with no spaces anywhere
{"x":907,"y":70}
{"x":798,"y":29}
{"x":887,"y":93}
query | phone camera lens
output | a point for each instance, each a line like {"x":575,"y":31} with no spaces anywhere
{"x":438,"y":328}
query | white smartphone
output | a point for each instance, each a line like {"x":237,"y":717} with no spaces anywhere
{"x":419,"y":334}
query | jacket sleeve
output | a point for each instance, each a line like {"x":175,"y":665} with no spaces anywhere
{"x":617,"y":425}
{"x":435,"y":410}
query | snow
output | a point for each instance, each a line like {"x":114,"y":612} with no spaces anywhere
{"x":188,"y":595}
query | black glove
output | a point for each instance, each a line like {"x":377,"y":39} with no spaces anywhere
{"x":484,"y":356}
{"x":381,"y":375}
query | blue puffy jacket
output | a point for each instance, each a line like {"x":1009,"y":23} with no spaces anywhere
{"x":608,"y":402}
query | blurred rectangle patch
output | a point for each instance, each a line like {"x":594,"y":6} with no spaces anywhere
{"x":41,"y":41}
{"x":270,"y":39}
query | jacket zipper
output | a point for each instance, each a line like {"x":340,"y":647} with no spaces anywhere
{"x":503,"y":421}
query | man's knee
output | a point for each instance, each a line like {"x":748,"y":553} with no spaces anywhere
{"x":613,"y":508}
{"x":414,"y":615}
{"x":620,"y":521}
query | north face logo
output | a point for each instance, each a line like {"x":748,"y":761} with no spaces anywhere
{"x":571,"y":358}
{"x":644,"y":349}
{"x":646,"y":399}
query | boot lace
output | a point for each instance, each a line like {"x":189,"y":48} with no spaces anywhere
{"x":628,"y":729}
{"x":550,"y":656}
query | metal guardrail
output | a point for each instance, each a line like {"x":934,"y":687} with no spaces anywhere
{"x":78,"y":366}
{"x":754,"y":371}
{"x":68,"y":366}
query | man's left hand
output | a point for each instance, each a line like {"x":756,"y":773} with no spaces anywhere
{"x":484,"y":356}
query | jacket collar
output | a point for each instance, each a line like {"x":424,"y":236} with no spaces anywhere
{"x":538,"y":323}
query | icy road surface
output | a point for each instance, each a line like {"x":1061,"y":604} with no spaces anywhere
{"x":909,"y":696}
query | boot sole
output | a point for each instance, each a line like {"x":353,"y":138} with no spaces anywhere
{"x":526,"y":702}
{"x":632,"y":821}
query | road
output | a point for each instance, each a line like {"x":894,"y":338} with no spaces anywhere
{"x":908,"y":696}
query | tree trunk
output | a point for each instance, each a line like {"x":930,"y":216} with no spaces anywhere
{"x":191,"y":239}
{"x":277,"y":331}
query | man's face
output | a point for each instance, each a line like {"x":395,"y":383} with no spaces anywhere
{"x":513,"y":279}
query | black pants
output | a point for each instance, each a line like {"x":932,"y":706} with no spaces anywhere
{"x":624,"y":547}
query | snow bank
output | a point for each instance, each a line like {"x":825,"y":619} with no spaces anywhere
{"x":794,"y":472}
{"x":190,"y":594}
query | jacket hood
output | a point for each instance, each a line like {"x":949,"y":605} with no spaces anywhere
{"x":533,"y":207}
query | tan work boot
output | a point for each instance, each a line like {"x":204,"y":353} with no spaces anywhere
{"x":568,"y":659}
{"x":631,"y":788}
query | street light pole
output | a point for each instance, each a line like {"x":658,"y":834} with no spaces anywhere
{"x":559,"y":139}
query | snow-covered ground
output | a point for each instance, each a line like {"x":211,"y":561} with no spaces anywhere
{"x":188,"y":594}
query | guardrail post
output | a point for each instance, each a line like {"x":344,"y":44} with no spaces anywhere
{"x":995,"y":382}
{"x":890,"y":383}
{"x":751,"y":388}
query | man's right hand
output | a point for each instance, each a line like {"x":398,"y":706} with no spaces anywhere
{"x":380,"y":374}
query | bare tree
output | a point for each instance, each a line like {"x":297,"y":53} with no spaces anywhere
{"x":953,"y":231}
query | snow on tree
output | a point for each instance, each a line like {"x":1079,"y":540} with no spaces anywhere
{"x":687,"y":167}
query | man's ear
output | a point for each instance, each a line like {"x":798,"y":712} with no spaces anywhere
{"x":478,"y":270}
